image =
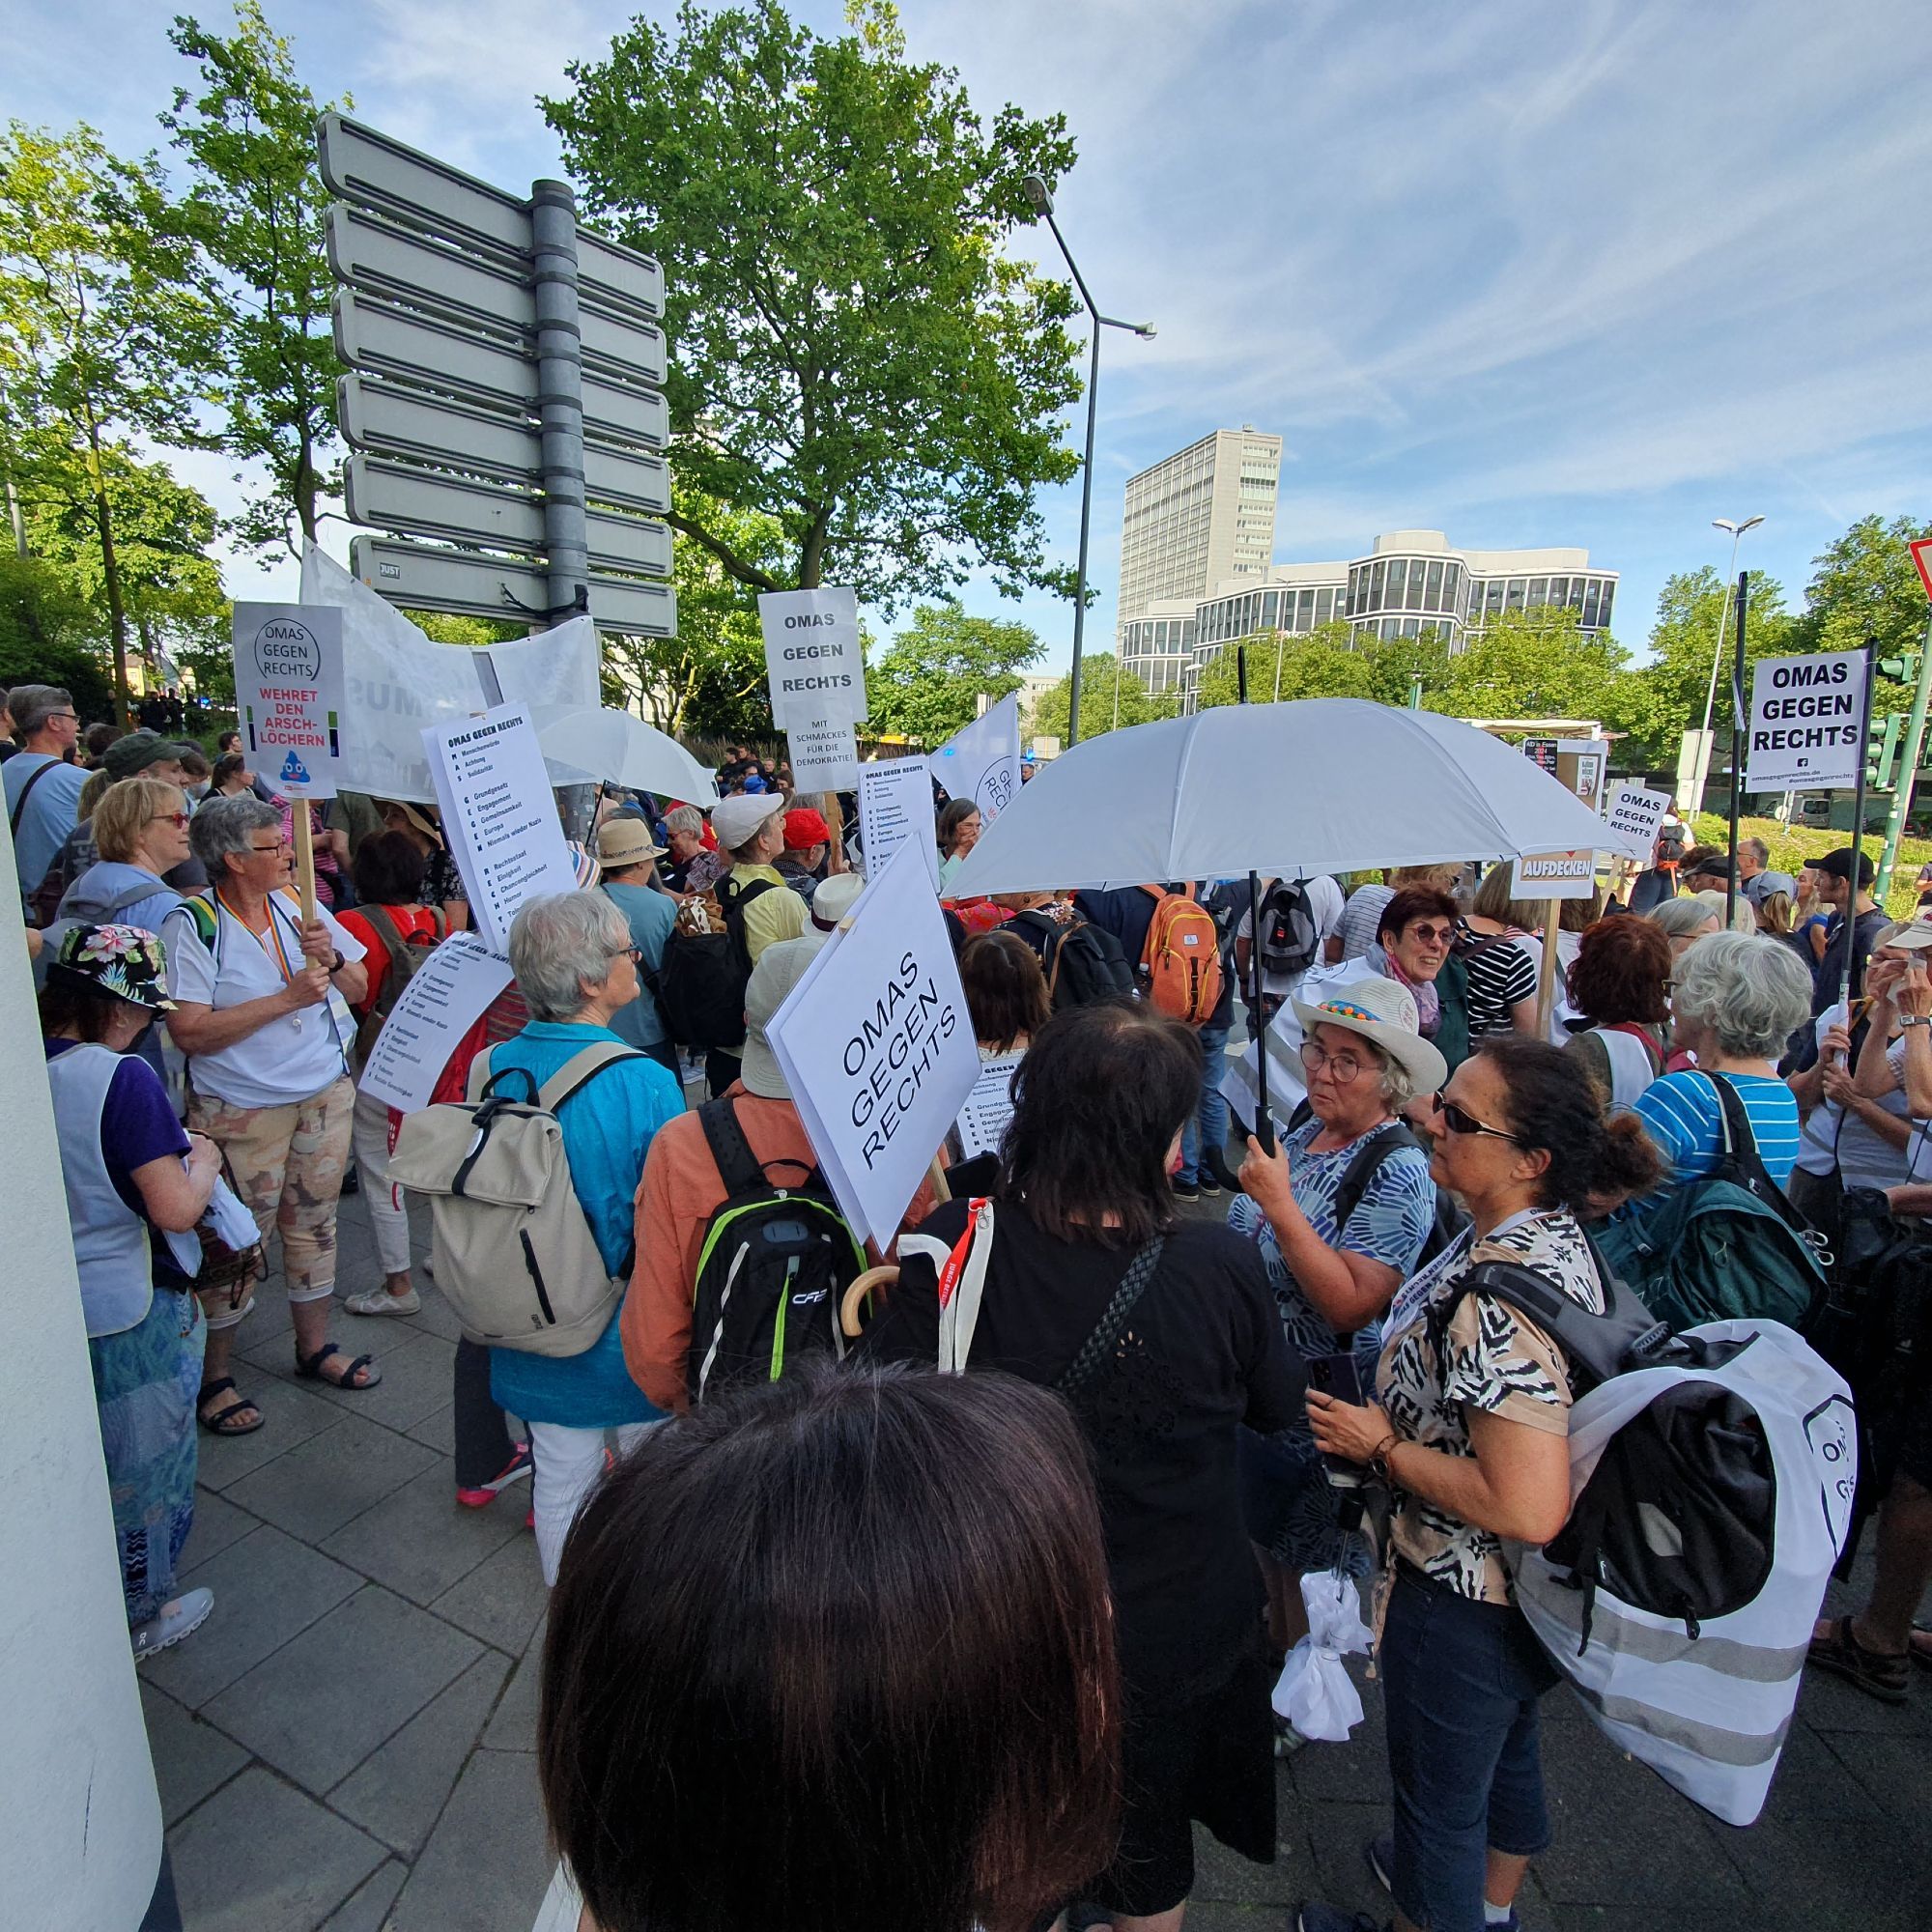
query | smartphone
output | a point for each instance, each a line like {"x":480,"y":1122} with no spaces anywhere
{"x":1337,"y":1375}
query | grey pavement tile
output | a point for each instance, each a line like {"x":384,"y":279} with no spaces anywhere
{"x":416,"y":1377}
{"x":436,"y":1431}
{"x":419,"y":1541}
{"x":502,"y":1597}
{"x":513,"y":1725}
{"x":486,"y":1866}
{"x":1214,"y":1915}
{"x":437,"y":1318}
{"x":288,"y":1415}
{"x":321,"y":1704}
{"x":1813,"y":1784}
{"x":367,"y":1910}
{"x":1337,"y":1872}
{"x":1876,"y":1879}
{"x":1354,"y":1773}
{"x":259,"y":1856}
{"x":218,"y":1524}
{"x":332,"y":1478}
{"x":1827,"y":1703}
{"x":375,"y":1335}
{"x":191,"y":1758}
{"x":1231,"y":1879}
{"x":399,"y":1791}
{"x":1892,"y":1773}
{"x":268,"y":1588}
{"x":1725,"y":1915}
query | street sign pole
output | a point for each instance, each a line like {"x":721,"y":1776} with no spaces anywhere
{"x":561,"y":396}
{"x":1739,"y":714}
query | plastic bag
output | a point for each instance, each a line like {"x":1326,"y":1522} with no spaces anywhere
{"x":1315,"y":1692}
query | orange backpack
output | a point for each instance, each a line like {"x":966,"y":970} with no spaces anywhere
{"x":1181,"y":962}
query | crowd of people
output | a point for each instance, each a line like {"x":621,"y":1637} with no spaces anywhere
{"x":1080,"y":1560}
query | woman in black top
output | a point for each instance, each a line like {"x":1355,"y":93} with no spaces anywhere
{"x":1084,"y":1216}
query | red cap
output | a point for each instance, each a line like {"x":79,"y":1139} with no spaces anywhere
{"x":805,"y":829}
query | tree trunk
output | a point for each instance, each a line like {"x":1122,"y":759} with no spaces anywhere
{"x":110,"y":575}
{"x":304,"y":490}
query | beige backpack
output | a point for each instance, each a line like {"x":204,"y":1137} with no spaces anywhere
{"x":515,"y":1256}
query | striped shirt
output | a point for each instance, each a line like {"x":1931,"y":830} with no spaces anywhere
{"x":1682,"y":1114}
{"x":1501,"y":976}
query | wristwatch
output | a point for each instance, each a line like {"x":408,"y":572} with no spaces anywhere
{"x":1378,"y":1462}
{"x":1914,"y":1019}
{"x":336,"y":964}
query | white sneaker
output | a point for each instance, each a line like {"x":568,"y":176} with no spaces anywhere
{"x":178,"y":1619}
{"x":380,"y":1301}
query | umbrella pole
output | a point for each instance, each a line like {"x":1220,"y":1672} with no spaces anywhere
{"x":1264,"y":1119}
{"x":1545,"y":985}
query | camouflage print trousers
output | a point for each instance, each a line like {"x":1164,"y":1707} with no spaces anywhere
{"x":288,"y":1164}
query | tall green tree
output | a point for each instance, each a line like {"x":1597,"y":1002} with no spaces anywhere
{"x":1110,"y":695}
{"x":1866,"y":584}
{"x":859,"y":360}
{"x":926,"y":684}
{"x":1531,"y":664}
{"x":102,"y":330}
{"x":1328,"y":662}
{"x":253,"y":210}
{"x":51,"y":634}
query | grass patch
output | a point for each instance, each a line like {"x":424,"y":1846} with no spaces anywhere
{"x":1791,"y":846}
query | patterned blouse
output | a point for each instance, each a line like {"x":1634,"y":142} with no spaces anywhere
{"x":1492,"y":1359}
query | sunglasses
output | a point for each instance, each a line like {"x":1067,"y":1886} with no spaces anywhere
{"x":1459,"y":1121}
{"x":1431,"y":935}
{"x":175,"y":818}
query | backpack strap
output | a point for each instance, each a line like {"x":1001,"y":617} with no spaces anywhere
{"x":1364,"y":1166}
{"x":1098,"y":1346}
{"x":740,"y":1169}
{"x":26,"y":791}
{"x":1740,"y":1162}
{"x":581,"y":1068}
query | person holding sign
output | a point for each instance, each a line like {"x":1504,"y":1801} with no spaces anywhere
{"x":759,"y":908}
{"x":261,"y":1002}
{"x":1163,"y":1337}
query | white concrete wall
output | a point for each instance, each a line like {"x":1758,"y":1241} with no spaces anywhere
{"x":80,"y":1824}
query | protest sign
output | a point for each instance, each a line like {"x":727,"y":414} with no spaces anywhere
{"x":822,"y":747}
{"x":287,"y":689}
{"x":445,"y":997}
{"x":878,"y":1048}
{"x":1542,"y":753}
{"x":1580,"y":763}
{"x":1635,"y":814}
{"x":813,"y":659}
{"x":1805,"y":722}
{"x":1554,"y":875}
{"x":498,"y":816}
{"x":981,"y":761}
{"x":895,"y":809}
{"x":989,"y":1106}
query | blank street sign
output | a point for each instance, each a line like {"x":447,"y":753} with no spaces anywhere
{"x":469,"y":584}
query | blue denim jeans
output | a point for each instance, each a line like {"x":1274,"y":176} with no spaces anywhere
{"x":1208,"y":1127}
{"x":1462,"y":1680}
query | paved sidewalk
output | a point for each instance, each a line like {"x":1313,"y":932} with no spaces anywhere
{"x":347,"y":1743}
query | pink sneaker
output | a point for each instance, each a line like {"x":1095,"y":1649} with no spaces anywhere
{"x":514,"y":1470}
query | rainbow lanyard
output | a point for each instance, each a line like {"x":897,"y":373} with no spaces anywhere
{"x":269,"y":942}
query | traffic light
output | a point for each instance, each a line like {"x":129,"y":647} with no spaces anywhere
{"x":1882,"y":755}
{"x":1903,"y":668}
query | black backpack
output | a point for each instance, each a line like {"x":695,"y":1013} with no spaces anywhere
{"x":1289,"y":941}
{"x":1084,"y":962}
{"x":701,"y":986}
{"x":1450,"y":1220}
{"x":772,"y":1269}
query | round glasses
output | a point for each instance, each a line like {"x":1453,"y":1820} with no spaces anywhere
{"x":1341,"y":1067}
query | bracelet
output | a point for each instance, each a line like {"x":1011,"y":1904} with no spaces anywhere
{"x":1378,"y":1456}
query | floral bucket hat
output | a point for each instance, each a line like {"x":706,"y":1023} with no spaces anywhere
{"x":124,"y":960}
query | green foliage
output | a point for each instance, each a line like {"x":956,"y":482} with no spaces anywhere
{"x":1531,"y":664}
{"x":1108,"y":694}
{"x":49,"y":634}
{"x":1864,"y":585}
{"x":441,"y":628}
{"x":926,"y":685}
{"x":1327,"y":662}
{"x":859,"y":363}
{"x":253,"y":212}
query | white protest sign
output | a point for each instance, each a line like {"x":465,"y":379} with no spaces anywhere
{"x":1554,"y":875}
{"x":983,"y":1119}
{"x":445,"y":998}
{"x":1580,"y":764}
{"x":895,"y":809}
{"x":287,"y":689}
{"x":822,"y":747}
{"x":1635,"y":817}
{"x":878,"y":1048}
{"x":981,"y":761}
{"x":498,"y":816}
{"x":1805,"y":717}
{"x":813,"y":654}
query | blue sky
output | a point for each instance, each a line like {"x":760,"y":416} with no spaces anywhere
{"x":1586,"y":273}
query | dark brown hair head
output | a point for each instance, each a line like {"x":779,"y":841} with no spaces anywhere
{"x":1551,"y":1105}
{"x":1413,"y":902}
{"x":1622,"y":972}
{"x":1006,"y":991}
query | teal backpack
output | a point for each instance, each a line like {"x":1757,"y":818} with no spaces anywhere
{"x":1726,"y":1247}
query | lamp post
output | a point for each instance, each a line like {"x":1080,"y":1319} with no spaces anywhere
{"x":1037,"y":193}
{"x":1704,"y":745}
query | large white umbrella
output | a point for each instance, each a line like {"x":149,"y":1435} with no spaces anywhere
{"x":582,"y":744}
{"x":1323,"y":784}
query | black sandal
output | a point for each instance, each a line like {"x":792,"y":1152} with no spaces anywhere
{"x":309,"y":1368}
{"x":1875,"y":1672}
{"x":222,"y":1422}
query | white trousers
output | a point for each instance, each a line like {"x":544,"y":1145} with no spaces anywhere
{"x":388,"y":1216}
{"x":567,"y":1463}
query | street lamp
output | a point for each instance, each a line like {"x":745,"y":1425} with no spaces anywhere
{"x":1704,"y":745}
{"x":1037,"y":193}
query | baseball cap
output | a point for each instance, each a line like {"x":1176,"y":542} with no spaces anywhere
{"x":737,"y":818}
{"x":625,"y":842}
{"x":130,"y":757}
{"x":779,"y":971}
{"x":1908,"y":935}
{"x":1838,"y":864}
{"x":806,"y":828}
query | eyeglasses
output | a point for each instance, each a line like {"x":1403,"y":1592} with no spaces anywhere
{"x":636,"y":953}
{"x":175,"y":818}
{"x":1431,"y":935}
{"x":1341,"y":1067}
{"x":280,"y":846}
{"x":1459,"y":1121}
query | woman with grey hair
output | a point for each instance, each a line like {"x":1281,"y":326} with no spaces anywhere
{"x":261,"y":1002}
{"x":692,"y":868}
{"x":1735,"y":999}
{"x":1685,"y":920}
{"x":576,"y":967}
{"x":1335,"y":1265}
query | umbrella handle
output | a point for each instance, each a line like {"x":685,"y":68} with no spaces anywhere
{"x":1264,"y":1119}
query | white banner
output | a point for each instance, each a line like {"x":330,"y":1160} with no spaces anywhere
{"x":445,"y":997}
{"x":823,"y":750}
{"x":981,"y":761}
{"x":395,"y":681}
{"x":498,"y":816}
{"x":989,"y":1106}
{"x":1635,"y":817}
{"x":895,"y":809}
{"x":1554,"y":875}
{"x":288,"y":691}
{"x":877,"y":1047}
{"x":1805,"y":717}
{"x":813,"y":659}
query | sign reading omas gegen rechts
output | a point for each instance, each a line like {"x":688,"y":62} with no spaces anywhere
{"x":288,"y":687}
{"x":1805,"y":722}
{"x":812,"y":655}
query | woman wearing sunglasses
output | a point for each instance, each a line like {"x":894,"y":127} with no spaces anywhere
{"x":1414,"y":947}
{"x":1470,"y":1433}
